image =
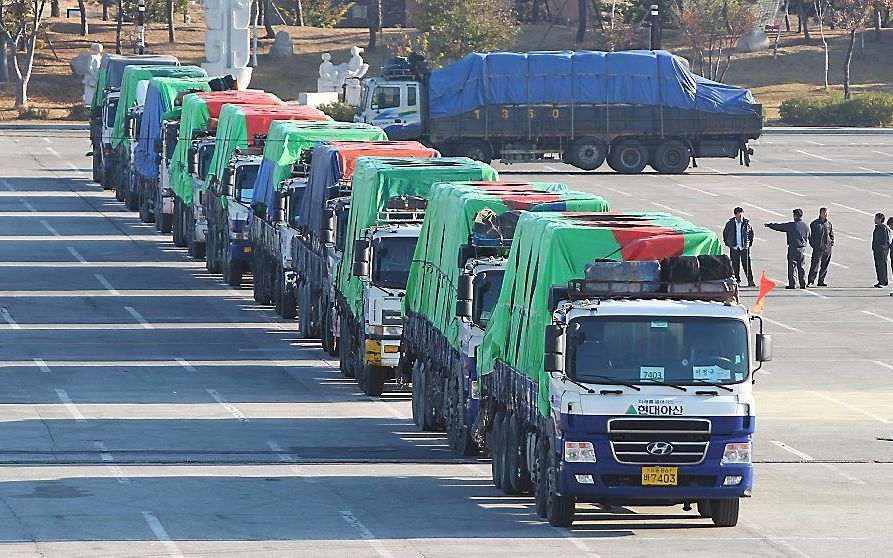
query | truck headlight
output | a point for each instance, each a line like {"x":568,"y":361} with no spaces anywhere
{"x":579,"y":452}
{"x":737,"y":453}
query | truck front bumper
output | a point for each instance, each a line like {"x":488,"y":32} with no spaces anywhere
{"x":382,"y":352}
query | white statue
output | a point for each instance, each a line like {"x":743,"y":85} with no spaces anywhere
{"x":92,"y":73}
{"x":328,"y":76}
{"x":356,"y":68}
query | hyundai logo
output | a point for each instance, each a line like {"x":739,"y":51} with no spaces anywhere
{"x":659,"y":448}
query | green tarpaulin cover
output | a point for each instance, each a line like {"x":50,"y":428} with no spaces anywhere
{"x":431,"y":288}
{"x":554,"y":248}
{"x":132,"y":76}
{"x":96,"y":101}
{"x":195,"y":116}
{"x":377,"y":179}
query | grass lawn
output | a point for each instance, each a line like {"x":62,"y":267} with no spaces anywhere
{"x":796,"y":71}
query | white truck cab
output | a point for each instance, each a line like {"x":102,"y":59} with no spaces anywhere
{"x":390,"y":103}
{"x":204,"y":152}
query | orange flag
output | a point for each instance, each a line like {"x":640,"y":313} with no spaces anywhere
{"x":766,"y":285}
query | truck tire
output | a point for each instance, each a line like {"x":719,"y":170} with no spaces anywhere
{"x":541,"y":482}
{"x":288,"y":300}
{"x":196,"y":249}
{"x":107,"y":177}
{"x":346,"y":359}
{"x":120,"y":185}
{"x":430,"y":394}
{"x":301,"y":306}
{"x":724,"y":511}
{"x":371,"y":379}
{"x":327,"y":334}
{"x":233,"y":273}
{"x":516,"y":453}
{"x":458,"y":431}
{"x":628,"y":156}
{"x":475,"y":149}
{"x":97,"y":164}
{"x":704,"y":509}
{"x":671,"y":157}
{"x":495,"y":442}
{"x":146,"y":216}
{"x":560,"y":509}
{"x":507,"y":455}
{"x":586,"y":153}
{"x":131,"y":198}
{"x":421,"y":413}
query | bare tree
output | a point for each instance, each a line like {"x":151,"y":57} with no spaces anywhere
{"x":268,"y":20}
{"x":21,"y":24}
{"x":853,"y":15}
{"x":820,"y":14}
{"x":374,"y":17}
{"x":581,"y":23}
{"x":105,"y":10}
{"x":711,"y":29}
{"x":119,"y":21}
{"x":299,"y":13}
{"x":82,"y":8}
{"x":171,"y":38}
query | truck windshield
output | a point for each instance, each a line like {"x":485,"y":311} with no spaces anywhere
{"x":246,"y":175}
{"x":645,"y":349}
{"x":486,"y":293}
{"x":391,"y":257}
{"x":205,"y":153}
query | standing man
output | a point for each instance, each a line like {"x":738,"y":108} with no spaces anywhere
{"x":797,"y":236}
{"x":880,"y":247}
{"x":821,"y":238}
{"x":738,"y":236}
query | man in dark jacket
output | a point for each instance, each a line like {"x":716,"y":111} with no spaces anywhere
{"x":798,"y":237}
{"x":821,"y":238}
{"x":738,"y":236}
{"x":880,"y":247}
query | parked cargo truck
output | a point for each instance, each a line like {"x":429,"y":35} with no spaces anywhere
{"x":388,"y":199}
{"x":193,"y":153}
{"x":633,"y":108}
{"x":615,"y":371}
{"x":276,"y":201}
{"x":324,"y":206}
{"x":454,"y":281}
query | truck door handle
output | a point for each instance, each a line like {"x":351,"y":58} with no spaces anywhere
{"x":398,"y":121}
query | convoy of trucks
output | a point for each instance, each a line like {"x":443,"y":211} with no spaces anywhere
{"x":595,"y":356}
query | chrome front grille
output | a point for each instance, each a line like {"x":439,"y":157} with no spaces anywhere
{"x":686,"y":439}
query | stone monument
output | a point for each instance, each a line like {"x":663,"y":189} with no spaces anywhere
{"x":332,"y":77}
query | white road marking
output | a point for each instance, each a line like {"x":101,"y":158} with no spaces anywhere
{"x":852,"y":209}
{"x":884,"y":364}
{"x":28,"y":205}
{"x":74,"y":167}
{"x":812,"y":155}
{"x":138,"y":317}
{"x":616,"y":191}
{"x":769,"y":211}
{"x":105,"y":283}
{"x":698,"y":190}
{"x":868,"y":414}
{"x":46,"y":139}
{"x":813,"y":293}
{"x":365,"y":533}
{"x":766,"y":535}
{"x":227,"y":405}
{"x":785,"y":326}
{"x":50,"y":228}
{"x":577,"y":542}
{"x":285,"y":457}
{"x":72,"y":408}
{"x":161,"y":534}
{"x":785,"y":190}
{"x":54,"y":152}
{"x":7,"y":185}
{"x":9,"y":319}
{"x":878,"y":316}
{"x":668,"y":208}
{"x":840,"y":265}
{"x":844,"y":474}
{"x":185,"y":364}
{"x":813,"y":142}
{"x":851,"y":237}
{"x":789,"y":449}
{"x":717,"y":171}
{"x":109,"y":461}
{"x":882,"y":153}
{"x":76,"y":254}
{"x":42,"y":365}
{"x":876,"y":172}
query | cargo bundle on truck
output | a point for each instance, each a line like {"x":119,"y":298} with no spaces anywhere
{"x":127,"y":122}
{"x":634,"y":108}
{"x":616,"y":367}
{"x":163,"y":99}
{"x":325,"y":203}
{"x":388,"y":198}
{"x":276,"y":200}
{"x":103,"y":104}
{"x":454,"y":280}
{"x":195,"y":148}
{"x":222,"y":203}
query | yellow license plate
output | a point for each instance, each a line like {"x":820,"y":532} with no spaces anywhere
{"x":660,"y":476}
{"x":246,"y":249}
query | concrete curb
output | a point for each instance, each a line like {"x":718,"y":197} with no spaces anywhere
{"x":780,"y":130}
{"x":74,"y":126}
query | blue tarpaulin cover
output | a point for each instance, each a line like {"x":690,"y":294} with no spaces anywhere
{"x":641,"y":77}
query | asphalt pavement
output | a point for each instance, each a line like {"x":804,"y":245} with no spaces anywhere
{"x":148,"y":409}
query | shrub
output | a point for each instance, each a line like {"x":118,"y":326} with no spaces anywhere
{"x":32,"y":113}
{"x":342,"y":112}
{"x":78,"y":112}
{"x":867,"y":110}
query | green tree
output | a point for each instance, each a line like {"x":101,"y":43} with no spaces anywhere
{"x":711,"y":29}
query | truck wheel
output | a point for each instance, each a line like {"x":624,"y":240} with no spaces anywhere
{"x":430,"y":395}
{"x":586,"y":153}
{"x":289,"y":305}
{"x":179,"y":226}
{"x":704,"y":509}
{"x":494,"y":444}
{"x":302,"y":311}
{"x":628,"y":156}
{"x":233,"y":272}
{"x":327,"y":335}
{"x":257,"y":270}
{"x":507,"y":455}
{"x":370,"y":378}
{"x":541,"y":483}
{"x":671,"y":157}
{"x":560,"y":509}
{"x":518,"y":473}
{"x":146,"y":216}
{"x":107,"y":178}
{"x":465,"y":443}
{"x":97,"y":163}
{"x":475,"y":149}
{"x":724,"y":511}
{"x":346,"y":358}
{"x":131,"y":199}
{"x":196,"y":249}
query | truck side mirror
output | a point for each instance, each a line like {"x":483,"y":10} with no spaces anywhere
{"x":553,"y":349}
{"x":159,"y":146}
{"x":192,"y":160}
{"x":228,"y":182}
{"x":362,"y":252}
{"x":764,"y":347}
{"x":465,"y":287}
{"x":327,"y":232}
{"x":466,"y":252}
{"x":464,"y":308}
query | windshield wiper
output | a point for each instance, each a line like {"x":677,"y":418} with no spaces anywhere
{"x":711,"y":384}
{"x":578,"y":384}
{"x":614,"y":381}
{"x":656,"y":383}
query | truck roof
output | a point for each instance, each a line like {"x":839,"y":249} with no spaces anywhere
{"x":680,"y":308}
{"x":214,"y":100}
{"x":552,"y":249}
